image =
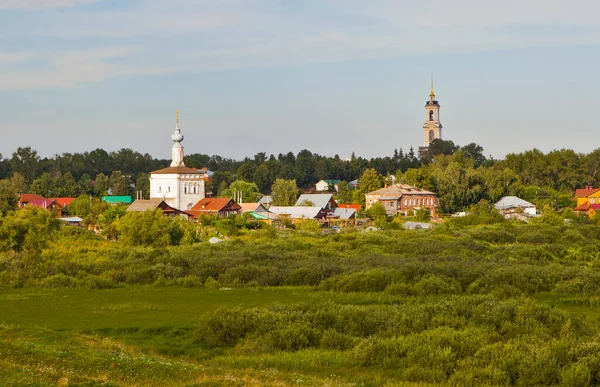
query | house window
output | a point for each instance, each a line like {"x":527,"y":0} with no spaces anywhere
{"x":592,"y":200}
{"x":168,"y":188}
{"x":159,"y":188}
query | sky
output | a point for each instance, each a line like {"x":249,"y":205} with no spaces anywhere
{"x":331,"y":76}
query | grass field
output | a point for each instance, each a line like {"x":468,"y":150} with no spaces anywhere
{"x":144,"y":335}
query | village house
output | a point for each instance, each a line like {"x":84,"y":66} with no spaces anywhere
{"x":219,"y":207}
{"x":141,"y":205}
{"x":324,"y":185}
{"x":512,"y":207}
{"x":323,"y":201}
{"x":588,"y":200}
{"x":401,"y":198}
{"x":298,"y":212}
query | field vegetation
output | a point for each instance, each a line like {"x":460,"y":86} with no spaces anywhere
{"x":475,"y":301}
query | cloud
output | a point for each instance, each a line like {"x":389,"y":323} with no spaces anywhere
{"x":75,"y":68}
{"x":41,"y":4}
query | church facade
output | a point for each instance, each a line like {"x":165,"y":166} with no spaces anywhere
{"x":432,"y":128}
{"x":179,"y":186}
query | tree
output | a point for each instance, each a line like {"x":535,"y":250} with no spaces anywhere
{"x":370,"y":181}
{"x":102,"y":184}
{"x":142,"y":184}
{"x":29,"y":229}
{"x":8,"y":196}
{"x":84,"y":186}
{"x":344,"y":194}
{"x":242,"y":191}
{"x":377,"y":214}
{"x":305,"y":168}
{"x":66,"y":186}
{"x":148,"y":228}
{"x":25,"y":161}
{"x":119,"y":184}
{"x":263,"y":178}
{"x":284,"y":192}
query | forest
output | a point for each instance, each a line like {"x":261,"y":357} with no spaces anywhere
{"x":460,"y":175}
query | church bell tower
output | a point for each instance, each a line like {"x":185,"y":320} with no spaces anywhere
{"x":432,"y":128}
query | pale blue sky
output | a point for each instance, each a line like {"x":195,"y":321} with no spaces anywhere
{"x":332,"y":76}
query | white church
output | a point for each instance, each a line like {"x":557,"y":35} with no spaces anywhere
{"x":179,"y":186}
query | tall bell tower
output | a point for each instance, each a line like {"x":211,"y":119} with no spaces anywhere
{"x":432,"y":128}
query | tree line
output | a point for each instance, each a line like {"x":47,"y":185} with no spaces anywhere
{"x":460,"y":175}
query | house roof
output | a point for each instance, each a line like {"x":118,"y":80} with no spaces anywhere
{"x":175,"y":170}
{"x":319,"y":200}
{"x":385,"y":197}
{"x":28,"y":197}
{"x":344,"y":213}
{"x":583,"y":207}
{"x":332,"y":182}
{"x":71,"y":219}
{"x":266,"y":200}
{"x":144,"y":205}
{"x":213,"y":204}
{"x":63,"y":202}
{"x":401,"y":189}
{"x":297,"y":212}
{"x":353,"y":182}
{"x":42,"y":203}
{"x":252,"y":207}
{"x":355,"y":206}
{"x":585,"y":192}
{"x":512,"y":202}
{"x":117,"y":199}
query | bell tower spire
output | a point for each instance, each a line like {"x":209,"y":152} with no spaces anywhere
{"x":432,"y":128}
{"x":177,"y":138}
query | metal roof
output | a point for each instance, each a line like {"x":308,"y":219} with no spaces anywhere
{"x":318,"y":200}
{"x":512,"y":202}
{"x":297,"y":212}
{"x":344,"y":213}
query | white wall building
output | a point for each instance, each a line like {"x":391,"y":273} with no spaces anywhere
{"x":179,"y":186}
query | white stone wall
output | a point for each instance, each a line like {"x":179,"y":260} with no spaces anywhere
{"x":180,"y":191}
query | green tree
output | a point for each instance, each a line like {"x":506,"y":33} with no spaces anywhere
{"x":344,"y":194}
{"x":370,"y":181}
{"x":66,"y":186}
{"x":102,"y":184}
{"x":148,"y":228}
{"x":142,"y":184}
{"x":263,"y":178}
{"x":284,"y":192}
{"x":242,"y":191}
{"x":8,"y":196}
{"x":84,"y":186}
{"x":26,"y":162}
{"x":377,"y":214}
{"x":119,"y":184}
{"x":29,"y":229}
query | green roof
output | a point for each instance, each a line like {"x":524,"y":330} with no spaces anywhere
{"x":332,"y":182}
{"x":117,"y":199}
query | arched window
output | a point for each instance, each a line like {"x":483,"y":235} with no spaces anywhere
{"x":159,"y":188}
{"x":431,"y":115}
{"x":431,"y":135}
{"x":168,"y":188}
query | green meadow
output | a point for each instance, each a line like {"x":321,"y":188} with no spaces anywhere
{"x":460,"y":305}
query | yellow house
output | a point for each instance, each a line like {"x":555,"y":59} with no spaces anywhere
{"x":588,"y":200}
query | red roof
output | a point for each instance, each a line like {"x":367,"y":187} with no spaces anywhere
{"x":42,"y":203}
{"x":354,"y":206}
{"x":583,"y":207}
{"x":585,"y":192}
{"x":63,"y":202}
{"x":28,"y":197}
{"x":213,"y":204}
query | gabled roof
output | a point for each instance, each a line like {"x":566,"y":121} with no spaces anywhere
{"x":266,"y":200}
{"x":319,"y":200}
{"x":332,"y":182}
{"x":583,"y":207}
{"x":585,"y":192}
{"x":512,"y":202}
{"x":344,"y":213}
{"x":401,"y":189}
{"x":355,"y":206}
{"x":42,"y":203}
{"x":253,"y":207}
{"x":297,"y":212}
{"x":144,"y":205}
{"x":63,"y":202}
{"x":28,"y":197}
{"x":214,"y":204}
{"x":176,"y":170}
